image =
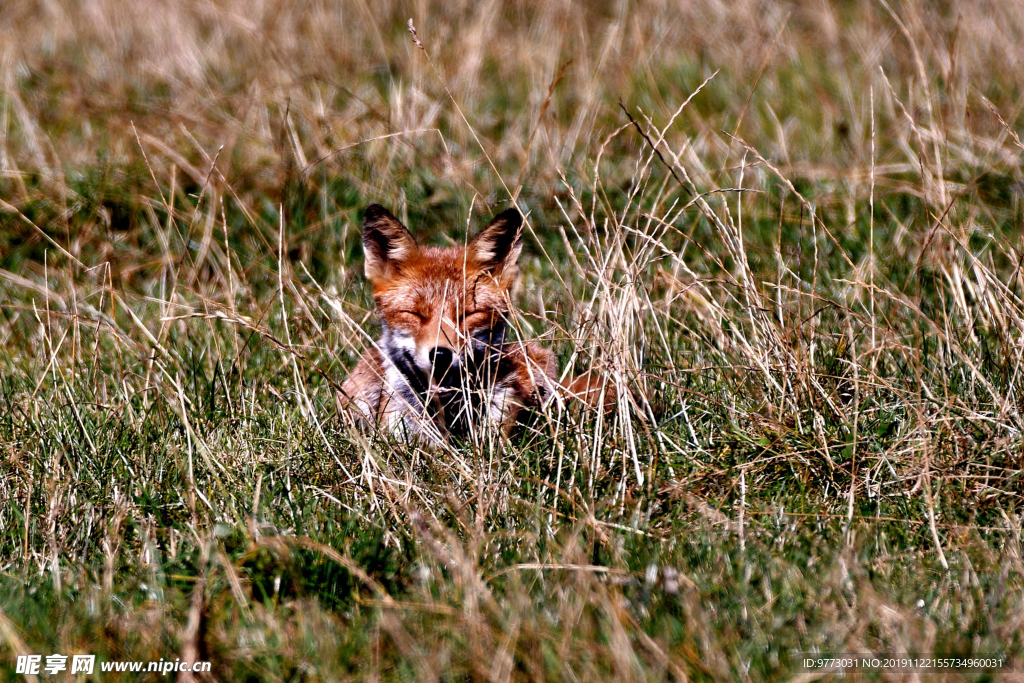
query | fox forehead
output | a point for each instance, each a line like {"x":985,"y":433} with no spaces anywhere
{"x":439,"y":276}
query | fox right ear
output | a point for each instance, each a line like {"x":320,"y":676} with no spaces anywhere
{"x":496,"y":248}
{"x":386,"y":243}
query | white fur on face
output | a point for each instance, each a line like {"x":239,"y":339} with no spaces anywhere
{"x":403,"y":342}
{"x":422,"y":357}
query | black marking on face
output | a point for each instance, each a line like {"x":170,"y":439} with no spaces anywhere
{"x":456,"y":405}
{"x":486,"y":345}
{"x":415,"y":390}
{"x":406,"y":364}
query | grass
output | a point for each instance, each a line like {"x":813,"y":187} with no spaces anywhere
{"x":802,"y":264}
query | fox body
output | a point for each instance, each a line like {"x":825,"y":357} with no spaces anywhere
{"x":443,"y":366}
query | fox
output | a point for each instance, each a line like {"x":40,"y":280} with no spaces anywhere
{"x":443,"y":367}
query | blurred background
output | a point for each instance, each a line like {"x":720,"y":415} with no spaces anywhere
{"x":293,"y":101}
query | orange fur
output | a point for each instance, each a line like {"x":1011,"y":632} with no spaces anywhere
{"x":442,"y":365}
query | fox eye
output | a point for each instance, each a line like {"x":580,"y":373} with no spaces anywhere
{"x":413,"y":316}
{"x":479,"y":316}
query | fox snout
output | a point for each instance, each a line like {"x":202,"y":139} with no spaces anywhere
{"x":439,"y":351}
{"x":443,"y":362}
{"x":445,"y":353}
{"x":440,"y":346}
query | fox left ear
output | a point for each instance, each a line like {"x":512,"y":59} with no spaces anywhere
{"x":387,"y":244}
{"x":496,"y":248}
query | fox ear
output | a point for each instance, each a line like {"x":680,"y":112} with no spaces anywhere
{"x":496,"y":248}
{"x":386,"y":243}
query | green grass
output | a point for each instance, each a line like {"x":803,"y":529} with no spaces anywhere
{"x":821,"y":448}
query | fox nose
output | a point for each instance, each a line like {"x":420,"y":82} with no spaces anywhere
{"x":441,"y":361}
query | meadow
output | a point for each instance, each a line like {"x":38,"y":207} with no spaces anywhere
{"x":789,"y":234}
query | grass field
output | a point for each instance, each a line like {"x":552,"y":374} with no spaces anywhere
{"x":790,"y":234}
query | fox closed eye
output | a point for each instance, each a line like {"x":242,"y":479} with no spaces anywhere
{"x":414,"y":316}
{"x":480,"y":316}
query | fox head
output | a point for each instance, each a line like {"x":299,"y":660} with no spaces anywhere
{"x":443,"y":309}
